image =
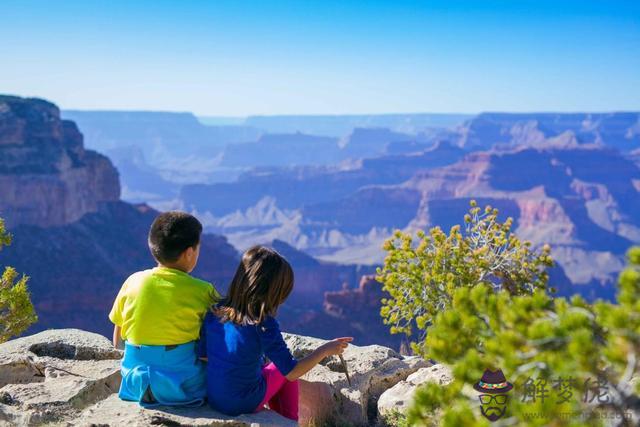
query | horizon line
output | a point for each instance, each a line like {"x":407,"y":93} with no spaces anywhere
{"x":215,"y":116}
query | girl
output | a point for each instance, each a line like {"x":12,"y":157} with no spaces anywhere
{"x":241,"y":330}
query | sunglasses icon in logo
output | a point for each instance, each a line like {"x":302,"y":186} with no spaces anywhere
{"x":493,"y":388}
{"x":499,"y":399}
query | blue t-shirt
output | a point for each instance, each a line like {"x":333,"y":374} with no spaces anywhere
{"x":235,"y":384}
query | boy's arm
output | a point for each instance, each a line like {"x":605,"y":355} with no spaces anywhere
{"x":201,"y":348}
{"x":117,"y":338}
{"x":115,"y":315}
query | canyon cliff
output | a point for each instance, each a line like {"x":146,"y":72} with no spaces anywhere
{"x":46,"y":175}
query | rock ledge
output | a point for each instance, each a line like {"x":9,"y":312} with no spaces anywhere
{"x":71,"y":377}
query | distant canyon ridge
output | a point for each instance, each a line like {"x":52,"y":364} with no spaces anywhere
{"x":335,"y":187}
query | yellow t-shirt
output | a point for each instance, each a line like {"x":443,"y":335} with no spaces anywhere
{"x":162,"y":306}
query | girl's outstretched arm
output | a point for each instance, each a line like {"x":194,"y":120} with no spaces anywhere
{"x":307,"y":363}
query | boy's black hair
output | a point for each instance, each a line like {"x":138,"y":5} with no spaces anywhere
{"x":171,"y":234}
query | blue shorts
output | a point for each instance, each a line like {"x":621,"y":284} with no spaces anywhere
{"x":174,"y":373}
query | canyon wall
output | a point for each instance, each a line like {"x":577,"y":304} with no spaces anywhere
{"x":47,"y":178}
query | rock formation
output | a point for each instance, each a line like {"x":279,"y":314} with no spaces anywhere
{"x":47,"y":178}
{"x":400,"y":397}
{"x":351,"y":312}
{"x":71,"y":377}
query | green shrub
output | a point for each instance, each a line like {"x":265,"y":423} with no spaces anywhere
{"x":542,"y":338}
{"x":517,"y":326}
{"x":16,"y":310}
{"x":422,"y":274}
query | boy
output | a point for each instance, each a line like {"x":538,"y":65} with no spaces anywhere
{"x":158,"y":314}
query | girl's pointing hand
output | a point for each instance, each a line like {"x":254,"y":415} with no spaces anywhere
{"x":336,"y":346}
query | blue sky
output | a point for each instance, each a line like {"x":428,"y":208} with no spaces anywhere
{"x":238,"y":57}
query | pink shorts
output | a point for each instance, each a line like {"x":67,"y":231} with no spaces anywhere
{"x":281,"y":394}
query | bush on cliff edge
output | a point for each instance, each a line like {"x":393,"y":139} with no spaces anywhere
{"x":570,"y":362}
{"x":16,"y":310}
{"x":421,"y":276}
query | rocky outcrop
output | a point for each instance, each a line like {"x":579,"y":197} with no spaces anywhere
{"x":327,"y":398}
{"x":71,"y":377}
{"x":54,"y":375}
{"x":47,"y":178}
{"x":347,"y":301}
{"x":400,"y":397}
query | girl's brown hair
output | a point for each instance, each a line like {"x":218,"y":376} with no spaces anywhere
{"x":263,"y":281}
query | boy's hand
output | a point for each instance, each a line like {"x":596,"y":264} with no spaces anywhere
{"x":117,"y":338}
{"x":336,"y":346}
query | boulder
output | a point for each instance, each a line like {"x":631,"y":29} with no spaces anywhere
{"x":400,"y":396}
{"x":325,"y":394}
{"x":51,"y":375}
{"x":63,"y":344}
